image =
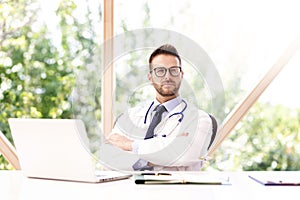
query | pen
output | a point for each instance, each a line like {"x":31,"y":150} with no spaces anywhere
{"x":271,"y":183}
{"x":156,"y":174}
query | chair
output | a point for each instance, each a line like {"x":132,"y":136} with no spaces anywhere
{"x":214,"y":130}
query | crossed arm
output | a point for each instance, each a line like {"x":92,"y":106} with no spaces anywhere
{"x":124,"y":142}
{"x":178,"y":150}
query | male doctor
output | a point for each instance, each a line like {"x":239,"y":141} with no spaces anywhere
{"x":169,"y":133}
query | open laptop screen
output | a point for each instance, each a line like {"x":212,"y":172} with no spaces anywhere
{"x":53,"y":149}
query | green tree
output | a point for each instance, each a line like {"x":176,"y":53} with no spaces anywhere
{"x":266,"y":139}
{"x":36,"y":74}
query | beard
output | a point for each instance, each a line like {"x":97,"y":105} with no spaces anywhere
{"x":167,"y":92}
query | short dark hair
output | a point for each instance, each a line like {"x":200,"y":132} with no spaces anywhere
{"x":165,"y":49}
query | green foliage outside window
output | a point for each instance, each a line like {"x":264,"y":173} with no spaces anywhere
{"x":37,"y":75}
{"x":266,"y":139}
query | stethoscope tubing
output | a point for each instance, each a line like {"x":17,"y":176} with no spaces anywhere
{"x":177,"y":113}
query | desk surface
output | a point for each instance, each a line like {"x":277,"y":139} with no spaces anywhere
{"x":13,"y":185}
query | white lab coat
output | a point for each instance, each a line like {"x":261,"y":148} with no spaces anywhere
{"x":173,"y":151}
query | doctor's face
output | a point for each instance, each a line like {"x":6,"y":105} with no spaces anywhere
{"x":166,"y":76}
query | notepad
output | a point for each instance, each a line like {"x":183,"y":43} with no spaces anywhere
{"x":181,"y":178}
{"x":278,"y":179}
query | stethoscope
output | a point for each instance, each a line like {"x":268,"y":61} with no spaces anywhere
{"x":177,"y":113}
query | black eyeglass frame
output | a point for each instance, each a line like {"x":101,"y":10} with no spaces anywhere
{"x":165,"y":71}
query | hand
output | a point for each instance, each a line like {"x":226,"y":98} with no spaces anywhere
{"x":120,"y":141}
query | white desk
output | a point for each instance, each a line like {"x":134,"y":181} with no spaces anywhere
{"x":13,"y":185}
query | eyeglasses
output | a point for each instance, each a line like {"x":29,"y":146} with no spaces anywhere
{"x":161,"y":71}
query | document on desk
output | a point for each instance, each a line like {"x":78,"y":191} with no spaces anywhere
{"x":279,"y":179}
{"x":180,"y":178}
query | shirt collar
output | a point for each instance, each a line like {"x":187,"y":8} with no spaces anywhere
{"x":171,"y":104}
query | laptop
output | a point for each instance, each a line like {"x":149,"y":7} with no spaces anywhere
{"x":57,"y":149}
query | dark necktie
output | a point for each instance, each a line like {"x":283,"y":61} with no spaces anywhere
{"x":155,"y":120}
{"x":143,"y":164}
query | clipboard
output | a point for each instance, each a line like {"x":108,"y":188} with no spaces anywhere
{"x":181,"y":178}
{"x":283,"y":180}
